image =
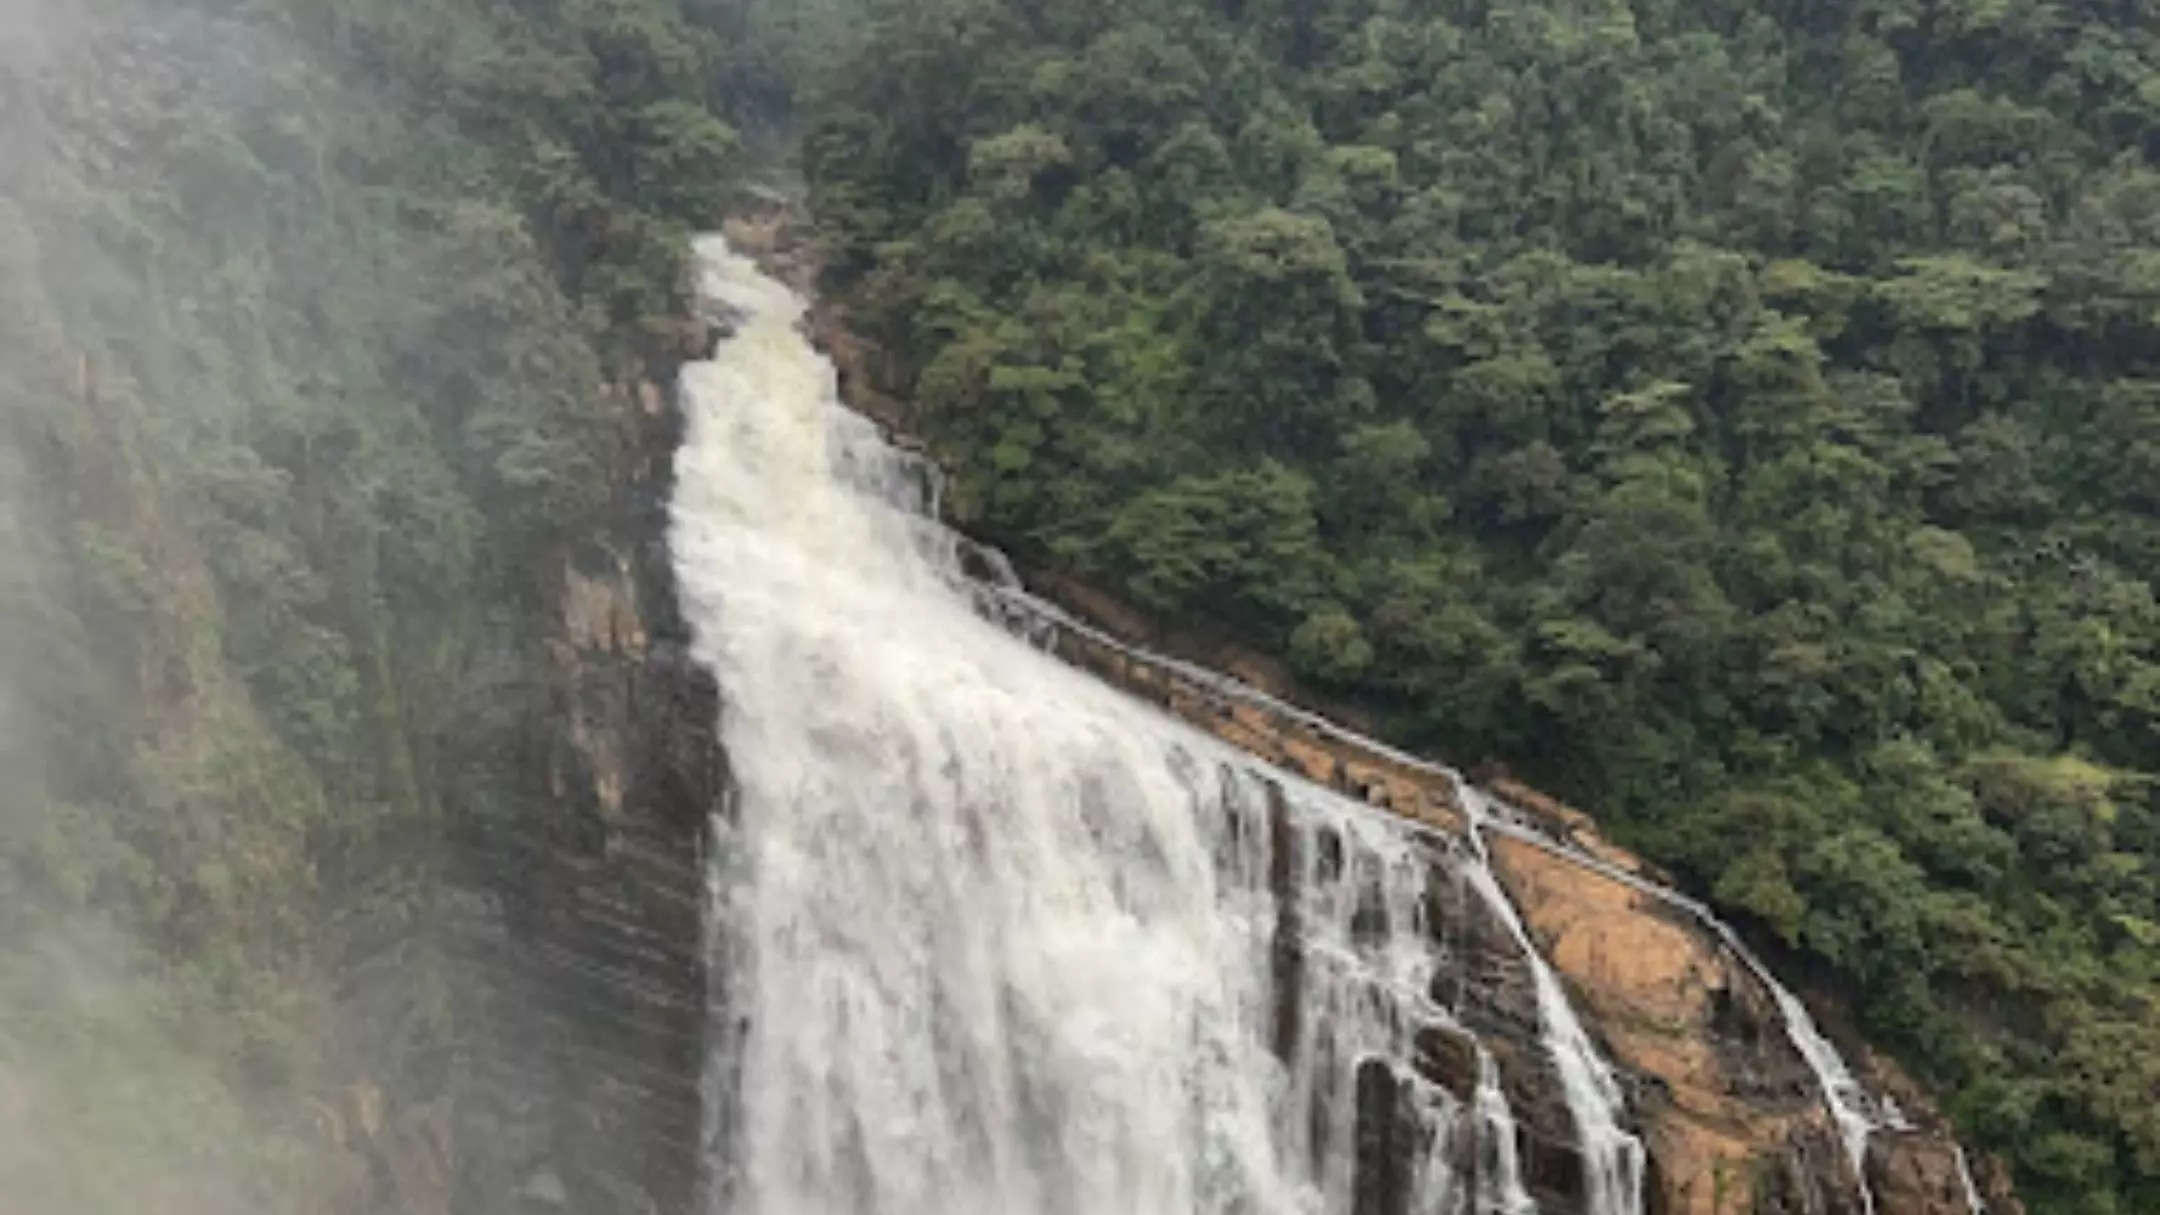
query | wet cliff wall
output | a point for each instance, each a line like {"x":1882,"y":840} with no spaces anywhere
{"x":588,"y":911}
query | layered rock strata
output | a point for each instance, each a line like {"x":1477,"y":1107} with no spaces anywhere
{"x":586,"y":912}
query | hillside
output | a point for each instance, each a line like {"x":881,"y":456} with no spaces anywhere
{"x":1742,"y":420}
{"x":323,"y":325}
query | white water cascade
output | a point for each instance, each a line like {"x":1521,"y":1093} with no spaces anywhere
{"x":996,"y":939}
{"x":1613,"y":1157}
{"x":999,"y":940}
{"x":1857,"y":1113}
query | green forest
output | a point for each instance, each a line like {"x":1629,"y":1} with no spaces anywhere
{"x":1743,"y":419}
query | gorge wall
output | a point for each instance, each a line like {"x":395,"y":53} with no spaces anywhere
{"x":587,"y":914}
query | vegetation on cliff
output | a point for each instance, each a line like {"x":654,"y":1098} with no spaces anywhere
{"x":1742,"y":418}
{"x":317,"y":322}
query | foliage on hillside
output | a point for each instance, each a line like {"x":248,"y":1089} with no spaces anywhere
{"x":309,"y":314}
{"x":1744,"y":418}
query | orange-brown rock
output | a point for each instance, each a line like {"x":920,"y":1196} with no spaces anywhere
{"x":1733,"y":1102}
{"x":1563,"y":821}
{"x":1916,"y":1174}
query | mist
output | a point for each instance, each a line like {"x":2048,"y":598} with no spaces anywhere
{"x":315,"y":323}
{"x":101,"y":1109}
{"x":112,"y":1096}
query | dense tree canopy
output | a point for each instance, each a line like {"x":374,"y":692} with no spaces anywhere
{"x":1744,"y":418}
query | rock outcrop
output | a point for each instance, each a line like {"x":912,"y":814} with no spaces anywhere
{"x":587,"y":910}
{"x":1734,"y":1121}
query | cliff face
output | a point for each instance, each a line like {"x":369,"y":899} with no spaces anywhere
{"x":587,"y":1097}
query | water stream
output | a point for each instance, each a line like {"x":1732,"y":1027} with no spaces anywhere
{"x":992,"y":938}
{"x":1973,"y":1202}
{"x":999,"y":939}
{"x":1613,"y":1157}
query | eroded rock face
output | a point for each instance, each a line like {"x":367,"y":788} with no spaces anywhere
{"x":1917,"y":1174}
{"x":588,"y":908}
{"x":1733,"y":1117}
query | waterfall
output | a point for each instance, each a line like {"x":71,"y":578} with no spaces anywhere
{"x":1613,"y":1157}
{"x":1847,"y":1100}
{"x":1850,"y":1105}
{"x":978,"y":942}
{"x":993,"y":937}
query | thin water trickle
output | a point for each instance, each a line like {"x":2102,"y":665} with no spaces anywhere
{"x":1613,"y":1157}
{"x":1974,"y":1205}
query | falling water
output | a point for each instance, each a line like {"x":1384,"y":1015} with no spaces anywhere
{"x":1613,"y":1157}
{"x":1856,"y":1113}
{"x":1849,"y":1103}
{"x":1360,"y":890}
{"x":996,"y":938}
{"x":1847,"y":1100}
{"x":1973,"y":1203}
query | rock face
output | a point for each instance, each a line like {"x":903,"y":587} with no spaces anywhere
{"x":1734,"y":1120}
{"x":587,"y":910}
{"x":1912,"y":1175}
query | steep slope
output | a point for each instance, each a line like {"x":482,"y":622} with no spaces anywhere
{"x":353,"y":790}
{"x":1737,"y":417}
